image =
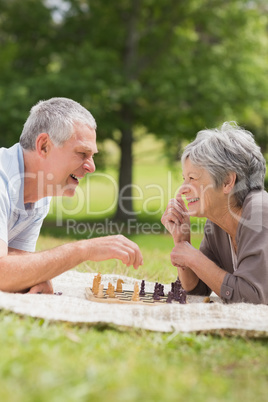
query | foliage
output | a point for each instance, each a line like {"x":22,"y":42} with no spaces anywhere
{"x":26,"y":41}
{"x":169,"y":66}
{"x":177,"y":68}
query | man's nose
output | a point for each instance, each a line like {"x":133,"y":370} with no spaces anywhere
{"x":89,"y":165}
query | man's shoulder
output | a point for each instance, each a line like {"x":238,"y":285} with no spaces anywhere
{"x":43,"y":203}
{"x":9,"y":152}
{"x":11,"y":173}
{"x":10,"y":160}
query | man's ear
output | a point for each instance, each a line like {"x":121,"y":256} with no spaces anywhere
{"x":229,"y":182}
{"x":43,"y":145}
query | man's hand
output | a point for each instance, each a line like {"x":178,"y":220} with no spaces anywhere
{"x":119,"y":247}
{"x":44,"y":287}
{"x":176,"y":220}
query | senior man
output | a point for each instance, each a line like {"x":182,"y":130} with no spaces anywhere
{"x":56,"y":149}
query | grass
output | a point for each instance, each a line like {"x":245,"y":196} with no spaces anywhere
{"x":60,"y":362}
{"x":155,"y":251}
{"x":54,"y":362}
{"x":57,"y":361}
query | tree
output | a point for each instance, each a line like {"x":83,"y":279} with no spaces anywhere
{"x":26,"y":35}
{"x":171,"y":66}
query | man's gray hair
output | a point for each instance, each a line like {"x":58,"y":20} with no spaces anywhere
{"x":229,"y":149}
{"x":56,"y":117}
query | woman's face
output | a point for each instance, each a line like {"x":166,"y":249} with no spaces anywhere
{"x":199,"y":190}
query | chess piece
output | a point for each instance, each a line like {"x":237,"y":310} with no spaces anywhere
{"x":177,"y":290}
{"x":183,"y":296}
{"x":119,"y":287}
{"x":110,"y":291}
{"x":100,"y":292}
{"x":95,"y":286}
{"x":142,"y":291}
{"x":179,"y":294}
{"x":156,"y":295}
{"x":135,"y":296}
{"x":96,"y":283}
{"x":112,"y":294}
{"x":161,"y":290}
{"x":170,"y":297}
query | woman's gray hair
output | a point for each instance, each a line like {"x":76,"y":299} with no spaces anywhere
{"x":229,"y":149}
{"x":56,"y":117}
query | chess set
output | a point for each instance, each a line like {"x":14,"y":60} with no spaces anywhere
{"x":138,"y":295}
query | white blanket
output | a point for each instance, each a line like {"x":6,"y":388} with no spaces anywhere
{"x":72,"y":305}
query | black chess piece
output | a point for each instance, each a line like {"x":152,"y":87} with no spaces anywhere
{"x":182,"y":298}
{"x":170,"y":297}
{"x":161,"y":288}
{"x":142,"y":290}
{"x":156,"y":293}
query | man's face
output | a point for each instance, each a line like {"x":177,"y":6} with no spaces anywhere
{"x":72,"y":161}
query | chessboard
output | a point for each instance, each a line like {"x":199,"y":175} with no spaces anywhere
{"x":138,"y":295}
{"x":125,"y":297}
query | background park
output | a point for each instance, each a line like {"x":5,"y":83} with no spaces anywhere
{"x":153,"y":73}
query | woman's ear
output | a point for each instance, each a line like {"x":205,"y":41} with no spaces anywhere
{"x":229,"y":182}
{"x":43,"y":145}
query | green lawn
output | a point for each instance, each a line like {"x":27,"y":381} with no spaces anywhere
{"x":54,"y":362}
{"x":47,"y":361}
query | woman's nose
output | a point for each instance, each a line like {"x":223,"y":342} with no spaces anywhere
{"x":185,"y":188}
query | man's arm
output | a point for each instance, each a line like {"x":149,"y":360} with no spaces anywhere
{"x":44,"y":287}
{"x":25,"y":270}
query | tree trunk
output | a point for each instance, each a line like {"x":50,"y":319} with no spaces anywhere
{"x":130,"y":60}
{"x":125,"y":203}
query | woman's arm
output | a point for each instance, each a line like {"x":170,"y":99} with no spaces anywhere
{"x":176,"y":220}
{"x":193,"y":264}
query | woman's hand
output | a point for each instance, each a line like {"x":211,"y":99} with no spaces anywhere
{"x":176,"y":220}
{"x":193,"y":264}
{"x":183,"y":255}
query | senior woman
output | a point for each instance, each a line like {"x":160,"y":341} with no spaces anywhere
{"x":223,"y":172}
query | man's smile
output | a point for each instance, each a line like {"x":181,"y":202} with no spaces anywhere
{"x":75,"y":178}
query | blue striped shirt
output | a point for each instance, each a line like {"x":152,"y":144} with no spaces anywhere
{"x":20,"y":223}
